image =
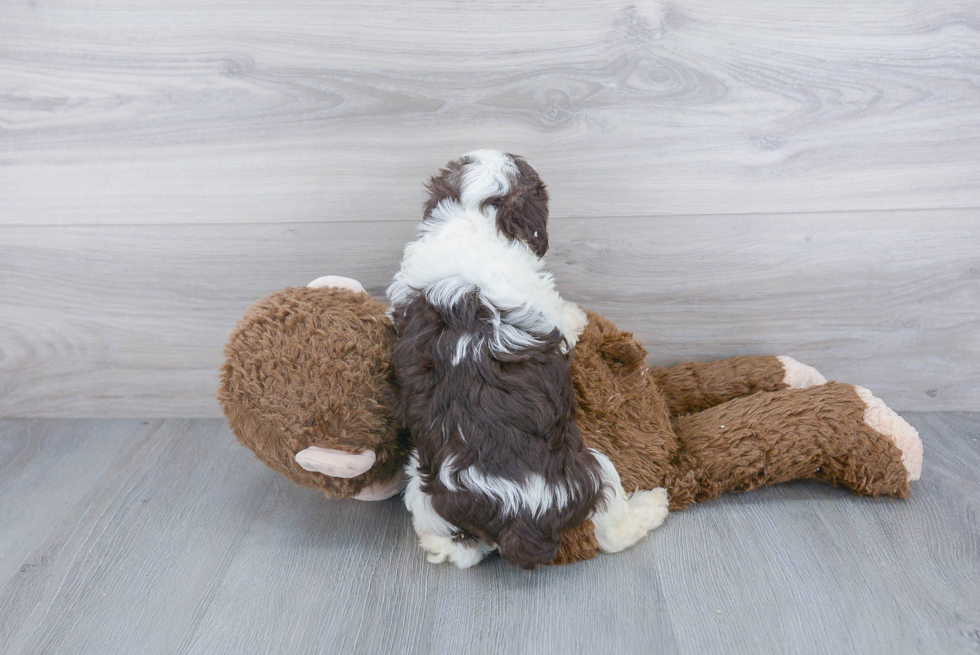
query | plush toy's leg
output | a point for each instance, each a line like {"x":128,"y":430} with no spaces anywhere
{"x":834,"y":432}
{"x":694,"y":386}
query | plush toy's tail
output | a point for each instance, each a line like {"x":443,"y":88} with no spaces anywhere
{"x":833,"y":432}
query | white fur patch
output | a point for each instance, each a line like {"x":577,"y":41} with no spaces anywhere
{"x":626,"y":518}
{"x":533,"y":495}
{"x":885,"y":421}
{"x":435,"y":533}
{"x":462,"y":345}
{"x":487,"y":176}
{"x":459,"y":251}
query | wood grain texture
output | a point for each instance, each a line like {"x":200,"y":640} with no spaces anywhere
{"x":152,"y":533}
{"x":186,"y":544}
{"x":130,"y":320}
{"x":177,"y":112}
{"x":36,"y":460}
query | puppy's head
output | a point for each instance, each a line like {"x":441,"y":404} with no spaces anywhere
{"x":503,"y":187}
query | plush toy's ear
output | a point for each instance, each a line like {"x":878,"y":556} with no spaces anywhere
{"x":338,"y":282}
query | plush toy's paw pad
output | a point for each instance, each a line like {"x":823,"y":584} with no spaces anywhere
{"x":441,"y":549}
{"x":885,"y":421}
{"x":385,"y":489}
{"x":335,"y":463}
{"x":799,"y":375}
{"x":336,"y":281}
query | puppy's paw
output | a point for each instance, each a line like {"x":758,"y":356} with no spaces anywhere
{"x":798,"y":375}
{"x":441,"y":549}
{"x":573,"y":320}
{"x":629,"y":519}
{"x":649,"y":508}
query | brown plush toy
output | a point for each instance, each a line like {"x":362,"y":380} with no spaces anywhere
{"x":307,"y":385}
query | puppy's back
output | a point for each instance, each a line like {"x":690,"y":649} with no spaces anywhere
{"x":498,"y":449}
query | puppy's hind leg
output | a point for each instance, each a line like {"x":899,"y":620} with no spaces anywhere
{"x":437,"y":536}
{"x":625,"y":519}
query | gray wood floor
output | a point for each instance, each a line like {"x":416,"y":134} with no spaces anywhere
{"x":164,"y":536}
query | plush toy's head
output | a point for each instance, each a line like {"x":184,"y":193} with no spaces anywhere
{"x":306,"y":386}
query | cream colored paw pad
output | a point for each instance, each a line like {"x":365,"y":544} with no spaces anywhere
{"x":885,"y":421}
{"x":799,"y":375}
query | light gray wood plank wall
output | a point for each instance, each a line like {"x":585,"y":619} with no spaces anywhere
{"x":130,"y":320}
{"x":163,"y":165}
{"x":174,"y":111}
{"x":187,"y":544}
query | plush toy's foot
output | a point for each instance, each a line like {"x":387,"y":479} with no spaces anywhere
{"x":336,"y":281}
{"x":335,"y":463}
{"x":383,"y":490}
{"x":885,"y":421}
{"x":833,"y":432}
{"x":799,"y":375}
{"x":626,"y":519}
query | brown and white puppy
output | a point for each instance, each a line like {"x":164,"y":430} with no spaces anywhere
{"x":482,"y":366}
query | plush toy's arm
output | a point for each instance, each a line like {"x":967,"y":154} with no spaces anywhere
{"x":694,"y":386}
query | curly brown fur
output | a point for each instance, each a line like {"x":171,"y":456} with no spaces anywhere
{"x":695,"y":386}
{"x":312,"y":367}
{"x":619,"y":409}
{"x":793,"y":434}
{"x":577,"y":544}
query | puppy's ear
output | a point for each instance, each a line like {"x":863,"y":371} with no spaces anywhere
{"x":523,"y":213}
{"x":444,"y":185}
